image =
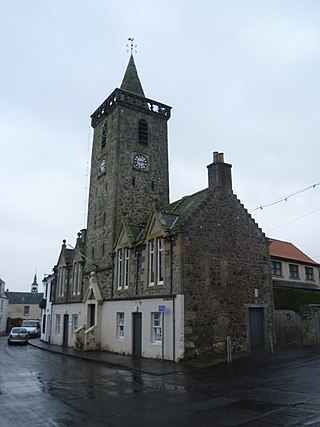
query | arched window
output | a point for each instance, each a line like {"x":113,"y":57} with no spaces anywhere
{"x":143,"y":132}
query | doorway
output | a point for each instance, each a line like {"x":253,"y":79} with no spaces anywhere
{"x":256,"y":327}
{"x":137,"y":334}
{"x":92,"y":314}
{"x":65,"y":330}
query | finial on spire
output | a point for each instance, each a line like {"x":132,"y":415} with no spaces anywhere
{"x":132,"y":46}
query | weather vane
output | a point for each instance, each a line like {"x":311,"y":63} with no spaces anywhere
{"x":132,"y":46}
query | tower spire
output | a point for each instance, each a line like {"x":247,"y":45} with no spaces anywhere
{"x":131,"y":81}
{"x":34,"y":285}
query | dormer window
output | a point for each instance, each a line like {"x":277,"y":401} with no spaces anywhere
{"x":123,"y":259}
{"x":61,"y":281}
{"x":155,"y":261}
{"x":77,"y":278}
{"x":143,"y":132}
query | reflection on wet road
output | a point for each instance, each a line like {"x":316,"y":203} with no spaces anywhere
{"x":38,"y":388}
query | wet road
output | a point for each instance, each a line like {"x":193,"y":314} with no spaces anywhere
{"x":38,"y":389}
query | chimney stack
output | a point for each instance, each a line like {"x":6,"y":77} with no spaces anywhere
{"x":219,"y":173}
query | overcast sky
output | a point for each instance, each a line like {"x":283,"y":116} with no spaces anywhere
{"x":242,"y":77}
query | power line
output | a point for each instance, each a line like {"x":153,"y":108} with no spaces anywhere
{"x":293,"y":220}
{"x":285,"y":199}
{"x":87,"y":178}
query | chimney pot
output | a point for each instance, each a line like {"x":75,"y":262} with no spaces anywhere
{"x":219,"y":173}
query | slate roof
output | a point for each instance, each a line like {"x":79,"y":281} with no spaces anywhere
{"x":24,"y":297}
{"x":286,"y":250}
{"x":177,"y":211}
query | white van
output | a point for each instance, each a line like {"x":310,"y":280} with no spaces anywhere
{"x":33,"y":327}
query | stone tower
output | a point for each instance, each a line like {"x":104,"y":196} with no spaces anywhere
{"x":129,"y":165}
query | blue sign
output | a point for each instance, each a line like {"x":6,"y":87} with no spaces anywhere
{"x":161,"y":308}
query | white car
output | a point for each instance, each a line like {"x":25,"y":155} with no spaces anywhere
{"x":18,"y":336}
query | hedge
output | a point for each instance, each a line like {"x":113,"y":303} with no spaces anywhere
{"x":293,"y":299}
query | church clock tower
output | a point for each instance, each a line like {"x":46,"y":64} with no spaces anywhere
{"x":129,"y":165}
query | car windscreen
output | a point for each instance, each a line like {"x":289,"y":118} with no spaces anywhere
{"x":29,"y":323}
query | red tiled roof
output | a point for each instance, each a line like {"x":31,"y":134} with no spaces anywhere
{"x":287,"y":250}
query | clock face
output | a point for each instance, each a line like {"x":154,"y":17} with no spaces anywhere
{"x":102,"y":166}
{"x":140,"y":162}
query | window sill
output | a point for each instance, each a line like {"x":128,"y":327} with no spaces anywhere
{"x":160,"y":286}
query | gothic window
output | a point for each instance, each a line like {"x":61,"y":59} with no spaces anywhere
{"x":123,"y":258}
{"x":155,"y":261}
{"x":143,"y":132}
{"x":104,"y":135}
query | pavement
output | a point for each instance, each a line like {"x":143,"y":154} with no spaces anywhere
{"x":148,"y":366}
{"x":160,"y":367}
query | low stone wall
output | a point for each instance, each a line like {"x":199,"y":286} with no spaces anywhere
{"x":301,"y":328}
{"x":288,"y":327}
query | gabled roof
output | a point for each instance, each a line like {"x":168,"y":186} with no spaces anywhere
{"x":286,"y":250}
{"x":131,"y":81}
{"x":179,"y":210}
{"x":24,"y":297}
{"x":66,"y":255}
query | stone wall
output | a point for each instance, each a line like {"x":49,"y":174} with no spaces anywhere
{"x":224,"y":258}
{"x":289,"y":328}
